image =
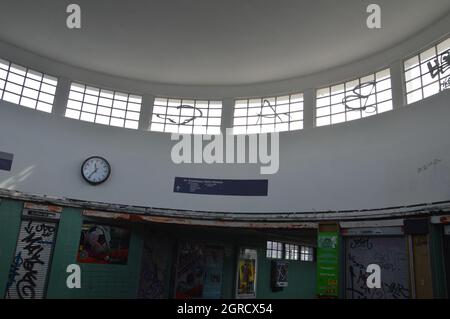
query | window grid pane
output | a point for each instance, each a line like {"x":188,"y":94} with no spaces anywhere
{"x":27,"y":87}
{"x":268,"y":114}
{"x":103,"y":106}
{"x":291,"y":252}
{"x":274,"y":250}
{"x":428,"y":72}
{"x":187,"y":116}
{"x":306,"y":254}
{"x":352,"y":100}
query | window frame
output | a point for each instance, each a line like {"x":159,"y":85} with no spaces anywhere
{"x":208,"y":129}
{"x":347,"y":92}
{"x":417,"y":54}
{"x":263,"y":106}
{"x":29,"y":75}
{"x":129,"y":99}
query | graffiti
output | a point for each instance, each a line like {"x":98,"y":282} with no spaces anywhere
{"x":390,"y":255}
{"x":397,"y":290}
{"x":440,"y":64}
{"x":198,"y":271}
{"x":361,"y":242}
{"x":29,"y":268}
{"x":427,"y":166}
{"x":188,"y":120}
{"x":14,"y":272}
{"x":445,"y":84}
{"x":153,"y":270}
{"x":360,"y":92}
{"x":273,"y":115}
{"x":358,"y":282}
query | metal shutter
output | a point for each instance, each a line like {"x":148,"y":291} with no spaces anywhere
{"x":29,"y":269}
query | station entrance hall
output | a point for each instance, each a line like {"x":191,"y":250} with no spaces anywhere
{"x":225,"y":150}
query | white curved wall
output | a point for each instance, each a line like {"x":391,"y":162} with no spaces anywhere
{"x":369,"y":163}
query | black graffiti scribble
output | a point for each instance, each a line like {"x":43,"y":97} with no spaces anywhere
{"x":168,"y":117}
{"x":440,"y":64}
{"x":273,"y":115}
{"x":361,"y":242}
{"x":25,"y":287}
{"x":397,"y":290}
{"x":153,"y":273}
{"x":445,"y":84}
{"x":359,"y":96}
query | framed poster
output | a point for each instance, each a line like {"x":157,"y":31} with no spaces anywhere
{"x":198,"y":271}
{"x":103,"y":244}
{"x":246,"y":273}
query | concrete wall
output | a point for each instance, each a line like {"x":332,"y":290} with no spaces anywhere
{"x":377,"y":159}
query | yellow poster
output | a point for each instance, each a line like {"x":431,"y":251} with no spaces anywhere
{"x":247,"y":276}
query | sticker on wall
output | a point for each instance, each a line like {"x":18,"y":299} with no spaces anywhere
{"x":230,"y":187}
{"x":6,"y":160}
{"x":102,"y":244}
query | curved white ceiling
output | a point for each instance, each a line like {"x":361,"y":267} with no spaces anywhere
{"x":212,"y":42}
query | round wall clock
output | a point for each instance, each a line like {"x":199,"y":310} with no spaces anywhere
{"x":95,"y":170}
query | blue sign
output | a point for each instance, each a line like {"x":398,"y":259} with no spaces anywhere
{"x":6,"y":161}
{"x":232,"y":187}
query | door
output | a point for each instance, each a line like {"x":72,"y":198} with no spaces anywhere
{"x":390,"y":253}
{"x":447,"y":257}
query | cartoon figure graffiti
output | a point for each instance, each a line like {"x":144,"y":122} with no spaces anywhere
{"x":103,"y":245}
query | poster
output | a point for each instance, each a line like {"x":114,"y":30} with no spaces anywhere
{"x":328,"y":264}
{"x":103,"y":244}
{"x":279,"y":274}
{"x":246,"y":276}
{"x":199,"y":271}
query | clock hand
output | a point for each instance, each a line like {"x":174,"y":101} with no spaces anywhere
{"x":92,"y":173}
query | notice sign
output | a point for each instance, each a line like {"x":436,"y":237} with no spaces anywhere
{"x":6,"y":160}
{"x":328,"y":264}
{"x":232,"y":187}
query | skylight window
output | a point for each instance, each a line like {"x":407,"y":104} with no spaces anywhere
{"x":26,"y":87}
{"x":102,"y":106}
{"x":352,"y":100}
{"x":428,"y":72}
{"x":185,"y":116}
{"x":268,"y":114}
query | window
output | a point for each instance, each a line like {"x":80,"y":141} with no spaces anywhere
{"x":268,"y":114}
{"x":26,"y":87}
{"x":306,"y":253}
{"x":186,"y":116}
{"x":428,"y":73}
{"x":102,"y":106}
{"x":355,"y":99}
{"x":291,"y":252}
{"x":274,"y":250}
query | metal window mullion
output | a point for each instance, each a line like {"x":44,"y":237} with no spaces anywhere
{"x":6,"y":79}
{"x":165,"y":116}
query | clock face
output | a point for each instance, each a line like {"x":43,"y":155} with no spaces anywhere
{"x":95,"y":170}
